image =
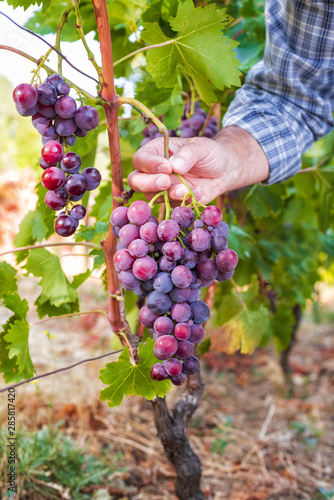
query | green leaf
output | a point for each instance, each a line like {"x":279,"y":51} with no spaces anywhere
{"x":90,"y":233}
{"x":55,"y":286}
{"x":13,"y":301}
{"x":199,"y":48}
{"x":24,"y":3}
{"x":47,"y":309}
{"x":103,"y":203}
{"x":17,"y":337}
{"x":204,"y":346}
{"x":125,"y":379}
{"x":99,"y":258}
{"x":8,"y":365}
{"x":80,"y":278}
{"x":282,"y":323}
{"x":7,"y":278}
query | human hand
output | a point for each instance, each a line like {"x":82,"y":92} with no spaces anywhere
{"x":233,"y":159}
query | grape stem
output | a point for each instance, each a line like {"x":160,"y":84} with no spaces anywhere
{"x":212,"y":107}
{"x":63,"y":21}
{"x":162,"y":129}
{"x":79,"y":26}
{"x":50,"y":71}
{"x":192,"y":196}
{"x":40,"y":65}
{"x":192,"y":93}
{"x":155,"y":198}
{"x":51,"y":46}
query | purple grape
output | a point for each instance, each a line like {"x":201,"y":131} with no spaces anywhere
{"x":66,"y":107}
{"x":148,"y":285}
{"x":181,"y":312}
{"x":204,"y":255}
{"x":123,"y":260}
{"x":196,"y":122}
{"x":25,"y":95}
{"x":183,"y":216}
{"x":212,"y":216}
{"x":115,"y":231}
{"x":162,"y":283}
{"x":179,"y":294}
{"x":78,"y":212}
{"x":145,"y":268}
{"x":173,"y":250}
{"x":93,"y":178}
{"x":138,"y":248}
{"x":178,"y":380}
{"x":53,"y":137}
{"x":184,"y":349}
{"x":182,"y":276}
{"x":165,"y":347}
{"x":76,"y":185}
{"x":47,"y":94}
{"x":206,"y":283}
{"x":193,"y":295}
{"x":196,"y":281}
{"x":163,"y":325}
{"x":189,"y":258}
{"x":168,"y":230}
{"x":223,"y":229}
{"x":166,"y":264}
{"x":226,"y":260}
{"x":196,"y":334}
{"x":207,"y":270}
{"x":173,"y":367}
{"x":149,"y":232}
{"x":139,"y":212}
{"x":53,"y":201}
{"x":76,"y":198}
{"x":199,"y":239}
{"x":146,"y":140}
{"x":52,"y":152}
{"x":63,"y":88}
{"x":219,"y":243}
{"x":188,"y":132}
{"x":147,"y":317}
{"x":47,"y":111}
{"x":119,"y":217}
{"x":87,"y":118}
{"x":70,"y":163}
{"x":71,"y":140}
{"x":128,"y":281}
{"x":225,"y":276}
{"x":158,"y":372}
{"x":128,"y":233}
{"x":64,"y":127}
{"x":190,"y":365}
{"x":54,"y":79}
{"x":53,"y":178}
{"x":27,"y":111}
{"x":120,"y":245}
{"x":79,"y":132}
{"x":198,"y":223}
{"x":182,"y":331}
{"x":158,"y":302}
{"x":200,"y":312}
{"x":65,"y":225}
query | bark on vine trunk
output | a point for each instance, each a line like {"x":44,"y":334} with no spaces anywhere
{"x":172,"y":431}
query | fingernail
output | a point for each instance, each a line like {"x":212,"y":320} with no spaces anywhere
{"x":178,"y":164}
{"x":181,"y":191}
{"x":162,"y":182}
{"x":164,"y":169}
{"x":198,"y":193}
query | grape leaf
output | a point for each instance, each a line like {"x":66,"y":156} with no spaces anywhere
{"x":90,"y":233}
{"x":80,"y":278}
{"x":199,"y":48}
{"x":19,"y":306}
{"x":55,"y":286}
{"x":24,"y":3}
{"x":125,"y":379}
{"x":47,"y":309}
{"x":103,"y":203}
{"x":17,"y":337}
{"x":7,"y":278}
{"x":8,"y":365}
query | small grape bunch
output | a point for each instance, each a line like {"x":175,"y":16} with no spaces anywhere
{"x":168,"y":263}
{"x":190,"y":127}
{"x":55,"y":115}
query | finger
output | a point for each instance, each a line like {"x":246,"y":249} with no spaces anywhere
{"x":204,"y":156}
{"x":148,"y":183}
{"x":204,"y":189}
{"x":150,"y":158}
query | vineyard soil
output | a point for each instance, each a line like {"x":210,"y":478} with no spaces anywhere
{"x":257,"y":441}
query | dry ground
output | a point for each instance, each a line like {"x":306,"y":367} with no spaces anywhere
{"x":257,"y":438}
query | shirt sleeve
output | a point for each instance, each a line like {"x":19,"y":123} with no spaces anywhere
{"x":288,"y":98}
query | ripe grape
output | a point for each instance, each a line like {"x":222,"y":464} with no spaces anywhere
{"x":200,"y":312}
{"x":199,"y":239}
{"x":52,"y":152}
{"x":70,"y":163}
{"x":123,"y":260}
{"x":182,"y":276}
{"x":227,"y":260}
{"x":47,"y":94}
{"x":138,"y":247}
{"x":173,"y":366}
{"x":87,"y":118}
{"x":207,"y":270}
{"x":54,"y":79}
{"x":193,"y":295}
{"x":184,"y":350}
{"x":179,"y":294}
{"x":158,"y":302}
{"x":139,"y":213}
{"x":63,"y":88}
{"x":166,"y":264}
{"x":225,"y":276}
{"x":165,"y":347}
{"x":163,"y":325}
{"x":147,"y":317}
{"x":149,"y":232}
{"x":47,"y":111}
{"x":71,"y":140}
{"x":78,"y":212}
{"x":65,"y":225}
{"x":76,"y":185}
{"x":158,"y":372}
{"x":179,"y":379}
{"x":173,"y":250}
{"x":64,"y":127}
{"x":119,"y":216}
{"x":93,"y":178}
{"x":128,"y":280}
{"x":53,"y":178}
{"x":182,"y":331}
{"x":66,"y":107}
{"x":212,"y":216}
{"x":25,"y":95}
{"x":168,"y":230}
{"x":189,"y":258}
{"x":219,"y":243}
{"x":145,"y":268}
{"x":196,"y":334}
{"x":162,"y":283}
{"x":27,"y":111}
{"x":79,"y":132}
{"x":190,"y":365}
{"x":184,"y":216}
{"x":181,"y":312}
{"x":223,"y":229}
{"x":53,"y":201}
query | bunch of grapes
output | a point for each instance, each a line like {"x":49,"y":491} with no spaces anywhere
{"x":168,"y":263}
{"x":56,"y":117}
{"x":190,"y":127}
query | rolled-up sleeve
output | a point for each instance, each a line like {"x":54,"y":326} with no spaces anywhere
{"x":287,"y":101}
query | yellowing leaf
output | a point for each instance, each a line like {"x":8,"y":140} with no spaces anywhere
{"x":125,"y":379}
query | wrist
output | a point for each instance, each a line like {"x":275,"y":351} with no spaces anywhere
{"x":243,"y":160}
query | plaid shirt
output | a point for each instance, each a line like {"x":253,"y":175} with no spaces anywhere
{"x":288,"y":98}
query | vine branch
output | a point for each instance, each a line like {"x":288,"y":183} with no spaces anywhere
{"x":63,"y":21}
{"x":97,"y":311}
{"x":46,"y":245}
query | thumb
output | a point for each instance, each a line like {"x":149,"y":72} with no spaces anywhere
{"x":188,"y":155}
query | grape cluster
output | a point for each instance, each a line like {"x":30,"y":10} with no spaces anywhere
{"x":168,"y":263}
{"x":55,"y":115}
{"x":190,"y":127}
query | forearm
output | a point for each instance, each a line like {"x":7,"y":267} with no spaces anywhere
{"x":245,"y":163}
